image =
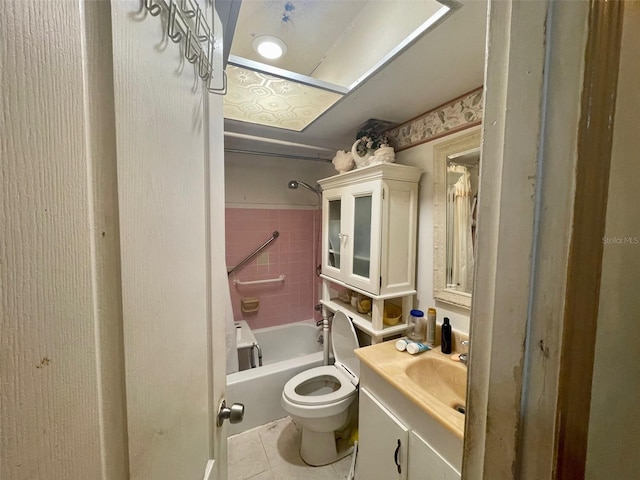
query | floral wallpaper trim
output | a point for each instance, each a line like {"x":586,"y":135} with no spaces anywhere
{"x":458,"y":114}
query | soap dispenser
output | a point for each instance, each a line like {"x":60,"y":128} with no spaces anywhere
{"x":445,"y":344}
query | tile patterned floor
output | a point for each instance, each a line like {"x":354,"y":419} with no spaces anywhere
{"x":271,"y":452}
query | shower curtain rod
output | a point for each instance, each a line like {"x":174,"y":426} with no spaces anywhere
{"x":255,"y":138}
{"x":276,"y":155}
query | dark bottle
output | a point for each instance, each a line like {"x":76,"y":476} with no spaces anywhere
{"x":445,"y":343}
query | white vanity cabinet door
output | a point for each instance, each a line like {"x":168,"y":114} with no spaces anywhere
{"x":425,"y":464}
{"x":382,"y":442}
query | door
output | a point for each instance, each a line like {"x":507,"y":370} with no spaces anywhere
{"x":382,"y":444}
{"x":170,"y":204}
{"x":425,"y":463}
{"x":351,"y":220}
{"x":362,"y":244}
{"x":332,"y":233}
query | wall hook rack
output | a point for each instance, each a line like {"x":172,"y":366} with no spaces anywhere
{"x":187,"y":23}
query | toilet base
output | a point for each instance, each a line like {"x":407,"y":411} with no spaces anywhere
{"x":320,"y":448}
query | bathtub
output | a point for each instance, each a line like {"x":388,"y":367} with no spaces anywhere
{"x":286,"y":351}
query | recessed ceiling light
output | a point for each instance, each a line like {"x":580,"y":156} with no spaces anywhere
{"x":269,"y":47}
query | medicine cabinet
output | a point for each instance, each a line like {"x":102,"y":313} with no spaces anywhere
{"x":369,"y":234}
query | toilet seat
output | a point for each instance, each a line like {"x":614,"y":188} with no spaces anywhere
{"x":345,"y":390}
{"x":345,"y":371}
{"x":343,"y":342}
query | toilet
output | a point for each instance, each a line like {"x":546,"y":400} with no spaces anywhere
{"x":318,"y":399}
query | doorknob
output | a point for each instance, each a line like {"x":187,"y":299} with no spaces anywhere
{"x":235,"y":414}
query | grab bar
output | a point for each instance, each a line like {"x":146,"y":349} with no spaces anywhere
{"x":274,"y":235}
{"x":255,"y":282}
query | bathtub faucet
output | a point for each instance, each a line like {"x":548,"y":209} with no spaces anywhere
{"x":321,"y":339}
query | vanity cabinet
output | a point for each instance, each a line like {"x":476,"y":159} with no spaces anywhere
{"x":393,"y":432}
{"x":369,"y":236}
{"x":425,"y":463}
{"x":382,"y":442}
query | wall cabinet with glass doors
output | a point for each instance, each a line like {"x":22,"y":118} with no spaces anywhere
{"x":369,"y":234}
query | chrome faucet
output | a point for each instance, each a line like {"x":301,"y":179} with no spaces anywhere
{"x":464,"y":357}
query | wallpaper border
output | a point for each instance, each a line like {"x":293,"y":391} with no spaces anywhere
{"x":453,"y":116}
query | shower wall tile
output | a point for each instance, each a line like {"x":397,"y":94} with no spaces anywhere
{"x":293,"y":254}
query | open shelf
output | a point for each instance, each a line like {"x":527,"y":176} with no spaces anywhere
{"x":362,"y":320}
{"x":364,"y":292}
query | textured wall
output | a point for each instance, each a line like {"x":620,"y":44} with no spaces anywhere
{"x":61,"y":392}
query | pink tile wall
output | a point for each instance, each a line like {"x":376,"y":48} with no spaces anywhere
{"x":291,"y":254}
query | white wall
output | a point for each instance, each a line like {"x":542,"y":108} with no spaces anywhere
{"x":614,"y":425}
{"x":61,"y":375}
{"x":261,"y":182}
{"x":422,"y":156}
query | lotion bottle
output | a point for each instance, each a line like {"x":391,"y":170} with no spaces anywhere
{"x":431,"y":327}
{"x":414,"y":348}
{"x":445,"y":345}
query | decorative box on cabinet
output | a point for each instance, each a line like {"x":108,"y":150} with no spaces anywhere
{"x":369,"y":236}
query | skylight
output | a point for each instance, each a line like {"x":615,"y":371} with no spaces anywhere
{"x":332,"y":48}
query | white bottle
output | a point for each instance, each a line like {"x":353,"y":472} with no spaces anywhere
{"x":414,"y":348}
{"x":401,"y":345}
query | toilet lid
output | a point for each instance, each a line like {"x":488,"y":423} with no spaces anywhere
{"x":345,"y":341}
{"x":344,"y":390}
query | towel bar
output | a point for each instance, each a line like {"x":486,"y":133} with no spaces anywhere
{"x":255,"y":282}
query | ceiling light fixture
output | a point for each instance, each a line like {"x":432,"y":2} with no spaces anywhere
{"x":269,"y":47}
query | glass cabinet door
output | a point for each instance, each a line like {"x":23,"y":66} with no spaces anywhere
{"x":361,"y":258}
{"x":351,"y":235}
{"x":334,"y":233}
{"x":362,"y":236}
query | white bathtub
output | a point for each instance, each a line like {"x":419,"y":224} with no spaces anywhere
{"x":286,"y":351}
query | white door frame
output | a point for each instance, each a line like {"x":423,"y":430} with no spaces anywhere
{"x":529,"y":228}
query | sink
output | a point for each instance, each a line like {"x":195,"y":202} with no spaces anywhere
{"x":441,"y":378}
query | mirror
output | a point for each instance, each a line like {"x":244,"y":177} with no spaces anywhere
{"x":456,"y":180}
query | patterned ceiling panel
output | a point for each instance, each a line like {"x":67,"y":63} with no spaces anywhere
{"x":267,"y":100}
